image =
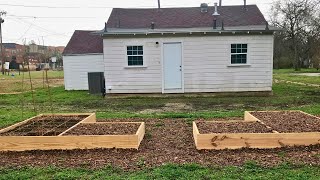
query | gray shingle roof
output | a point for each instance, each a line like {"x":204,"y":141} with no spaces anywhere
{"x":84,"y":42}
{"x":190,"y":17}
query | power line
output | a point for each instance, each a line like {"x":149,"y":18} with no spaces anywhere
{"x":24,"y":33}
{"x":33,"y":6}
{"x":65,"y":7}
{"x":48,"y":17}
{"x":47,"y":35}
{"x":39,"y":27}
{"x":32,"y":25}
{"x":87,"y":7}
{"x":19,"y":21}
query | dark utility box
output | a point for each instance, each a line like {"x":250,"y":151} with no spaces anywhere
{"x":96,"y":83}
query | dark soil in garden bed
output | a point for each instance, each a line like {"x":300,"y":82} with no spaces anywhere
{"x":45,"y":126}
{"x":232,"y":127}
{"x":289,"y":122}
{"x":166,"y":141}
{"x":104,"y":129}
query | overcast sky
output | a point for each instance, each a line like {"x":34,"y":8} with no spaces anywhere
{"x":53,"y":22}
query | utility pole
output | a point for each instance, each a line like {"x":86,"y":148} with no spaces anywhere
{"x":2,"y":53}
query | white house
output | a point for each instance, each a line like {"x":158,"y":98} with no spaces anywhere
{"x":83,"y":54}
{"x":187,"y":50}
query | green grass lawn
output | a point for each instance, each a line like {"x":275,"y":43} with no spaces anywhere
{"x":15,"y":108}
{"x":36,"y":74}
{"x":291,"y":75}
{"x":12,"y":84}
{"x":285,"y":97}
{"x":189,"y":171}
{"x":286,"y":71}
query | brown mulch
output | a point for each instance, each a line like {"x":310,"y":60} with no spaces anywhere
{"x":45,"y":126}
{"x":289,"y":122}
{"x":165,"y":141}
{"x":104,"y":129}
{"x":232,"y":127}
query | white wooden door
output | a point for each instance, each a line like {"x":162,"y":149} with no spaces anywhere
{"x":172,"y":67}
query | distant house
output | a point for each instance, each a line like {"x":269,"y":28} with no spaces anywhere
{"x":34,"y":52}
{"x":179,"y":50}
{"x":83,"y":54}
{"x":13,"y":50}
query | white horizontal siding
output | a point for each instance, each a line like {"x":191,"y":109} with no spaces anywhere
{"x":207,"y":69}
{"x":206,"y":64}
{"x":76,"y":70}
{"x":234,"y":89}
{"x":120,"y":79}
{"x":138,"y":90}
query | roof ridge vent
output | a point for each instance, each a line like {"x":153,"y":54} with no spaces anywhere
{"x":215,"y":10}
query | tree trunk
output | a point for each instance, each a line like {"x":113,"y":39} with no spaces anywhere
{"x":296,"y":58}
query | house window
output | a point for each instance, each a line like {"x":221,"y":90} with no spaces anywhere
{"x":135,"y":55}
{"x":239,"y":53}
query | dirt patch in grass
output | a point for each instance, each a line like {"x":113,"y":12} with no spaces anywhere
{"x":289,"y":122}
{"x":306,"y":74}
{"x":45,"y":126}
{"x":169,"y":107}
{"x":232,"y":127}
{"x":104,"y":129}
{"x":177,"y":107}
{"x":170,"y":142}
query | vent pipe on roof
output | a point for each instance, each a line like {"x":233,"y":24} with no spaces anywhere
{"x":215,"y":10}
{"x":204,"y":7}
{"x":220,"y":2}
{"x":267,"y":26}
{"x":245,"y":4}
{"x":159,"y":4}
{"x":152,"y":25}
{"x":214,"y":23}
{"x":222,"y":26}
{"x":105,"y":27}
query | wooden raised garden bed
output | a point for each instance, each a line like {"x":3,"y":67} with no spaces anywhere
{"x":262,"y":130}
{"x":70,"y":131}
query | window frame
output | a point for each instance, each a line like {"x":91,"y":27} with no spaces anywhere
{"x":231,"y":53}
{"x":137,"y":55}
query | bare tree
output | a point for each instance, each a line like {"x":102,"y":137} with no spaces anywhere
{"x":297,"y":18}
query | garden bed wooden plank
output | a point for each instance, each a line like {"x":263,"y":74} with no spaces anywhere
{"x":259,"y":141}
{"x":288,"y":121}
{"x":18,"y":124}
{"x":249,"y":117}
{"x":23,"y":143}
{"x":14,"y":143}
{"x":220,"y":141}
{"x":91,"y":118}
{"x":140,"y":133}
